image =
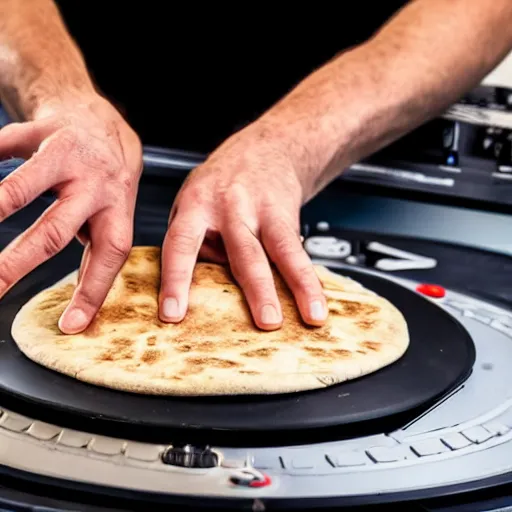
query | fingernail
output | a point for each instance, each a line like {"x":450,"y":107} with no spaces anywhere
{"x":269,"y":315}
{"x":73,"y":321}
{"x":171,"y":308}
{"x":317,"y":310}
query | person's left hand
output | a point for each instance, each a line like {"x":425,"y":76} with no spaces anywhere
{"x":242,"y":206}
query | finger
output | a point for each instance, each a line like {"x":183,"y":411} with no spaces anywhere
{"x":21,"y":140}
{"x":51,"y":233}
{"x":179,"y":256}
{"x":285,"y":249}
{"x":28,"y":182}
{"x":109,"y":247}
{"x":251,"y":269}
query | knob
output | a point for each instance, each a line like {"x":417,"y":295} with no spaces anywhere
{"x":188,"y":456}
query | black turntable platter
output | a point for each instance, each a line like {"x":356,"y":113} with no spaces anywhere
{"x":440,"y":357}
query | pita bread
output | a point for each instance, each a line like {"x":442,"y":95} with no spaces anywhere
{"x":216,"y":349}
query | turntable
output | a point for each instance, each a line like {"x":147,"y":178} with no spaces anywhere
{"x":431,"y":432}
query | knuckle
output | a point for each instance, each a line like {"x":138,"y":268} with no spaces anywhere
{"x":56,"y":236}
{"x":183,"y":243}
{"x":117,"y":252}
{"x":235,"y":196}
{"x":305,"y":280}
{"x":255,"y":277}
{"x":286,"y":247}
{"x":6,"y":273}
{"x":15,"y":192}
{"x":196,"y":195}
{"x":247,"y":251}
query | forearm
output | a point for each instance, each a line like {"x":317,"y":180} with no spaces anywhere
{"x":425,"y":58}
{"x":39,"y":63}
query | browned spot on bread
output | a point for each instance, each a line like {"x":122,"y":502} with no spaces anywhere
{"x":342,"y":352}
{"x":366,"y":325}
{"x":185,"y":347}
{"x":53,"y":306}
{"x":93,"y":329}
{"x":212,"y":362}
{"x":219,"y":274}
{"x":206,"y":346}
{"x":49,"y":320}
{"x":118,"y":313}
{"x":115,"y":354}
{"x":191,"y":370}
{"x":141,"y":284}
{"x":138,"y":254}
{"x":327,"y":354}
{"x":361,"y":351}
{"x":122,"y":342}
{"x":371,"y":345}
{"x":317,"y":351}
{"x":249,"y":372}
{"x":126,"y":313}
{"x":351,"y":308}
{"x":151,"y":340}
{"x":260,"y":352}
{"x":175,"y":377}
{"x":152,"y":255}
{"x":58,"y":297}
{"x":151,"y":356}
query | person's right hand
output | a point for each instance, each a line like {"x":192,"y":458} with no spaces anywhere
{"x":90,"y":157}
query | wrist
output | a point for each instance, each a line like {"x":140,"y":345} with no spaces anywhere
{"x":313,"y":131}
{"x":46,"y":104}
{"x":28,"y":94}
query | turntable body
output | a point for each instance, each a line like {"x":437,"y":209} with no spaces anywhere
{"x":458,"y":442}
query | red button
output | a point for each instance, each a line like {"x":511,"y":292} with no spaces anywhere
{"x":261,"y":483}
{"x":431,"y":290}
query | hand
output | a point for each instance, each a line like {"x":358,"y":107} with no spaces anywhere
{"x":92,"y":160}
{"x":242,"y":206}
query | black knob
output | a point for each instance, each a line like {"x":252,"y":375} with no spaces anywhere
{"x":188,"y":456}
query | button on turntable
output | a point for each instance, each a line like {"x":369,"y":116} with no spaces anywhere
{"x":431,"y":290}
{"x":429,"y":447}
{"x":106,"y":446}
{"x":14,"y":422}
{"x":477,"y":434}
{"x":188,"y":456}
{"x":385,"y":454}
{"x":456,"y":441}
{"x":43,"y":431}
{"x":348,"y":459}
{"x":267,"y":462}
{"x":143,"y":451}
{"x":249,"y":476}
